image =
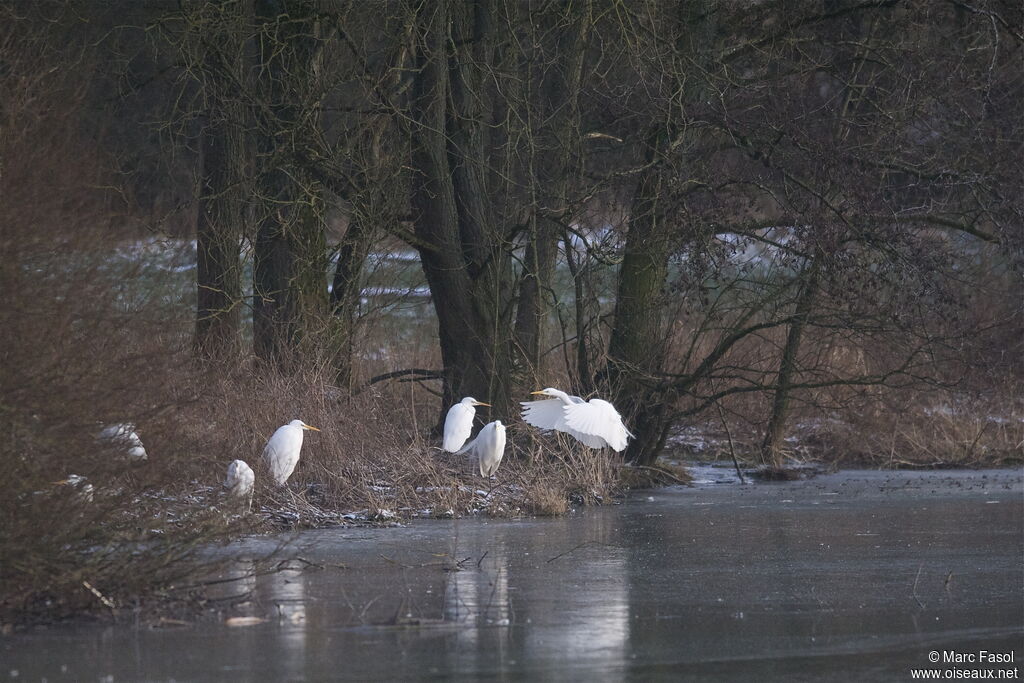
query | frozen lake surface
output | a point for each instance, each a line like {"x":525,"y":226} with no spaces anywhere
{"x":848,"y":576}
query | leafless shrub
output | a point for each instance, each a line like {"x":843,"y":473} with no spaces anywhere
{"x":86,"y":341}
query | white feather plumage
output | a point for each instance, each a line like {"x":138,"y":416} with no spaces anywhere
{"x":281,"y":454}
{"x":123,"y":434}
{"x":458,"y":423}
{"x":488,"y":448}
{"x":240,"y":479}
{"x":595,"y":423}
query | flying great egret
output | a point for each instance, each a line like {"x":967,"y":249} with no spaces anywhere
{"x":458,"y":424}
{"x":281,"y":453}
{"x":594,"y":423}
{"x":240,"y":480}
{"x":123,"y":434}
{"x":488,"y":447}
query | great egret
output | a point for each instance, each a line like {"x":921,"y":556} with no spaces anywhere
{"x":83,"y":489}
{"x":282,"y":450}
{"x":458,"y":424}
{"x":123,"y":434}
{"x":488,"y":447}
{"x":240,"y":480}
{"x":594,"y":423}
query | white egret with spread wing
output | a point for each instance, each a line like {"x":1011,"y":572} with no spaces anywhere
{"x":488,"y":447}
{"x":281,"y":453}
{"x":458,"y":424}
{"x":595,"y":423}
{"x":240,"y":480}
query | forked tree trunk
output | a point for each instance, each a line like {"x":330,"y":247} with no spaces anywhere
{"x":460,"y":247}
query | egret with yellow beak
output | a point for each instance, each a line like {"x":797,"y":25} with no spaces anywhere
{"x":458,"y":424}
{"x":281,"y":453}
{"x":594,"y":423}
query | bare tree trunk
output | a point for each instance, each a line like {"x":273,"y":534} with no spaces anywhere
{"x":636,"y":350}
{"x":555,"y":149}
{"x":636,"y":347}
{"x":771,"y":447}
{"x":538,"y":266}
{"x":219,"y":222}
{"x":461,"y":252}
{"x":852,"y":55}
{"x":218,"y":233}
{"x":581,"y":306}
{"x":289,"y":289}
{"x":345,"y":294}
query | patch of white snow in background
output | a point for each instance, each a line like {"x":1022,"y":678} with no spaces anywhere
{"x":704,"y":474}
{"x":400,"y":291}
{"x":690,"y":438}
{"x":401,"y":256}
{"x":165,"y":253}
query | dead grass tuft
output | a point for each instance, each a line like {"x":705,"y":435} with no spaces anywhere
{"x":547,"y":500}
{"x":659,"y":474}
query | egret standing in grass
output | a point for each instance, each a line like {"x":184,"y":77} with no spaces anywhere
{"x":281,"y":453}
{"x":488,"y":448}
{"x":594,"y":423}
{"x":123,"y":434}
{"x":240,"y":480}
{"x":458,"y":424}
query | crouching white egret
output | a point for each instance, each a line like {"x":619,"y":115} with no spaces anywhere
{"x":83,"y":489}
{"x":240,"y":480}
{"x":281,"y":454}
{"x":123,"y":435}
{"x":488,"y":447}
{"x":458,"y":424}
{"x":594,"y":423}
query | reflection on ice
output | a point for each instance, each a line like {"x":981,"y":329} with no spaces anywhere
{"x":480,"y":596}
{"x":835,"y":578}
{"x":478,"y":601}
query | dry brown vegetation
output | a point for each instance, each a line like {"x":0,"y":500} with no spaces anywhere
{"x":78,"y":350}
{"x":893,"y":431}
{"x":975,"y":419}
{"x":88,"y":340}
{"x":373,"y":454}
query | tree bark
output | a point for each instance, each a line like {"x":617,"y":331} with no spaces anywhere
{"x":460,"y":248}
{"x":219,"y":221}
{"x":636,"y":347}
{"x":556,"y":145}
{"x":345,"y":294}
{"x":636,"y":350}
{"x":289,"y":270}
{"x":771,"y":447}
{"x":218,"y":233}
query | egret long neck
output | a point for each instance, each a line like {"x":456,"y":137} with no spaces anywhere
{"x":561,"y":396}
